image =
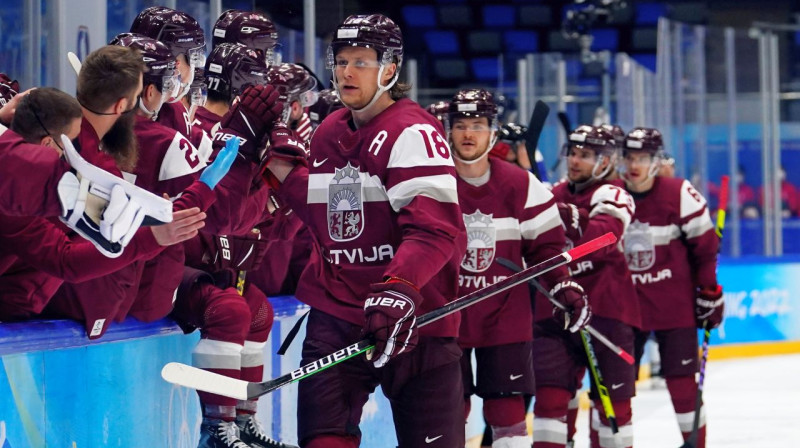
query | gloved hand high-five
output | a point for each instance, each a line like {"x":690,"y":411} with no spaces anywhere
{"x":252,"y":118}
{"x":239,"y":252}
{"x":709,"y":307}
{"x":390,"y":320}
{"x":578,"y":311}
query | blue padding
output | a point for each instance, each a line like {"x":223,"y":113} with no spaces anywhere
{"x":419,"y":16}
{"x":521,"y":42}
{"x":648,"y":13}
{"x":442,"y":42}
{"x":40,"y":335}
{"x":605,"y":39}
{"x":495,"y":16}
{"x":485,"y":69}
{"x":646,"y":59}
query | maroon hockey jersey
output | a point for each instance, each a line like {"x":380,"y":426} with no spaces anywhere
{"x":382,"y":201}
{"x":29,"y":176}
{"x":513,"y":216}
{"x":603,"y":274}
{"x":206,"y":120}
{"x":671,"y":248}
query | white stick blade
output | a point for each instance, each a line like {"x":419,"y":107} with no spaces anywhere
{"x":192,"y":377}
{"x":74,"y":62}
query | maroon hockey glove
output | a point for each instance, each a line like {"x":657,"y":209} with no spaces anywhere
{"x":573,"y":219}
{"x":242,"y":252}
{"x":252,"y":118}
{"x":709,"y":306}
{"x":285,"y":144}
{"x":578,"y":312}
{"x":390,"y":320}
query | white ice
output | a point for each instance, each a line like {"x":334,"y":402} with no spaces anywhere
{"x":750,"y":403}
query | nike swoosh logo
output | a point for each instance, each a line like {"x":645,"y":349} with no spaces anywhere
{"x":617,"y":386}
{"x":686,"y":362}
{"x":433,"y":439}
{"x":515,"y":377}
{"x":318,"y":164}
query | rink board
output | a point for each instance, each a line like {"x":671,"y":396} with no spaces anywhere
{"x":57,"y":389}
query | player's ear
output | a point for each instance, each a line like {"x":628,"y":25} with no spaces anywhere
{"x":389,"y":72}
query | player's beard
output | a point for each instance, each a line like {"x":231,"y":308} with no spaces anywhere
{"x":121,"y":143}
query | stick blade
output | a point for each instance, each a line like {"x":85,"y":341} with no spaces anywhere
{"x":194,"y":378}
{"x":74,"y":62}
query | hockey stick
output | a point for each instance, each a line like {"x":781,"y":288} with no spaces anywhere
{"x":602,"y":390}
{"x":195,"y":378}
{"x":535,"y":126}
{"x":691,"y":442}
{"x":74,"y":62}
{"x":619,"y":351}
{"x":563,"y":118}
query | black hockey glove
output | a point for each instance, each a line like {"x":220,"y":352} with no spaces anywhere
{"x":239,"y":252}
{"x":709,"y":306}
{"x":390,"y":320}
{"x":578,"y":311}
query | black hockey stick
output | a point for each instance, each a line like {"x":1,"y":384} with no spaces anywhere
{"x":691,"y":442}
{"x":535,"y":126}
{"x":619,"y":351}
{"x":199,"y":379}
{"x":563,"y":118}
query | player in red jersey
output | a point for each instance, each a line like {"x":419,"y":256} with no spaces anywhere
{"x":671,"y":249}
{"x":379,"y":194}
{"x":508,"y":213}
{"x":590,"y":206}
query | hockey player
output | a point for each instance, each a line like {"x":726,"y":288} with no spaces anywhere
{"x":38,"y":256}
{"x":671,"y":250}
{"x":508,"y":213}
{"x":380,"y":196}
{"x":440,"y":110}
{"x":167,"y":163}
{"x":297,"y":88}
{"x":181,"y":33}
{"x":589,"y":207}
{"x":251,"y":29}
{"x":230,"y":69}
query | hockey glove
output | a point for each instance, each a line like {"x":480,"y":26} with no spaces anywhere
{"x":242,"y":253}
{"x":252,"y":118}
{"x":573,"y":219}
{"x":709,"y":306}
{"x":108,"y":225}
{"x":213,"y":173}
{"x":390,"y":320}
{"x":578,"y":313}
{"x":285,"y":144}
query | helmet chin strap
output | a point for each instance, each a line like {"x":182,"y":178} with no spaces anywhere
{"x":151,"y":114}
{"x":185,"y":87}
{"x":378,"y":93}
{"x":482,"y":156}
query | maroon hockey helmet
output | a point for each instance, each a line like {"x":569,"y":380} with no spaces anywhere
{"x":177,"y":30}
{"x":439,"y":109}
{"x":327,"y":103}
{"x":617,"y":133}
{"x":473,"y":103}
{"x":294,"y":83}
{"x":374,"y":31}
{"x":596,"y":138}
{"x":8,"y":89}
{"x":251,"y":29}
{"x":644,"y":139}
{"x":232,"y":68}
{"x":157,"y":57}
